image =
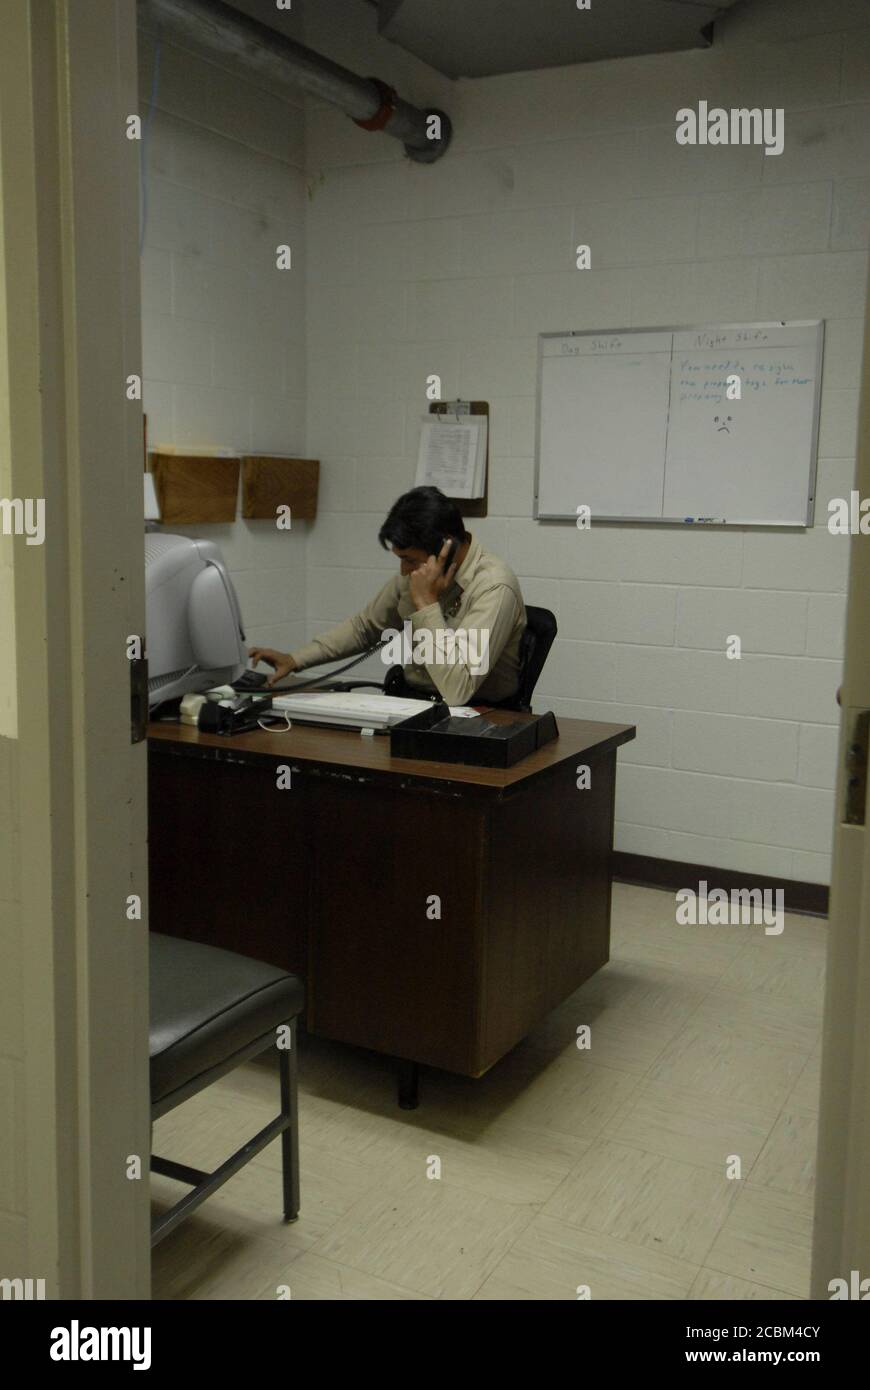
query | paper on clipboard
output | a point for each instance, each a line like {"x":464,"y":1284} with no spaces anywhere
{"x":452,"y":454}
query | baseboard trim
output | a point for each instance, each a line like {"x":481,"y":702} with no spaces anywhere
{"x":811,"y":899}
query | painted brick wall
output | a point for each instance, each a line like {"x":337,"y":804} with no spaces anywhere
{"x":456,"y":268}
{"x":223,"y":328}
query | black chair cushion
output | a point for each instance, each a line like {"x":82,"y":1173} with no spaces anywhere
{"x":207,"y":1004}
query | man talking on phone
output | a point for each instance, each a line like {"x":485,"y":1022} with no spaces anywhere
{"x":460,"y":606}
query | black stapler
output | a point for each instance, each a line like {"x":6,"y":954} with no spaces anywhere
{"x":237,"y":716}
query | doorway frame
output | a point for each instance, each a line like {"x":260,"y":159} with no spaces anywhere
{"x":70,"y":208}
{"x":841,"y":1230}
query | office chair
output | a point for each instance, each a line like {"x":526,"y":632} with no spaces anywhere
{"x":535,"y":645}
{"x":211,"y":1010}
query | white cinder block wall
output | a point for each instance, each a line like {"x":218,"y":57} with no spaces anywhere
{"x":456,"y":268}
{"x":223,"y":328}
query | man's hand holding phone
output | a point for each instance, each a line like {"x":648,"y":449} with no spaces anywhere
{"x":428,"y":582}
{"x":282,"y":662}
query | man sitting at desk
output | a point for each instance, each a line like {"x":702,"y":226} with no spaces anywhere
{"x":463,"y":607}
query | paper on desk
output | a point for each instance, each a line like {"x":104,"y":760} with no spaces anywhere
{"x":463,"y":712}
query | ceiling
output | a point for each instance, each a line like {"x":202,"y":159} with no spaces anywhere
{"x":480,"y":38}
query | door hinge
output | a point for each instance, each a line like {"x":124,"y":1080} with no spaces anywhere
{"x":857,"y":748}
{"x":138,"y":699}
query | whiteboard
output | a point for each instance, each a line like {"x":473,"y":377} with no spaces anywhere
{"x":637,"y":424}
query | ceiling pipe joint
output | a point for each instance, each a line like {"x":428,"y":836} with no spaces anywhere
{"x":384,"y":113}
{"x":232,"y":36}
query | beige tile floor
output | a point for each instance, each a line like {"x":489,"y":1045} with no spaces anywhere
{"x":561,"y":1168}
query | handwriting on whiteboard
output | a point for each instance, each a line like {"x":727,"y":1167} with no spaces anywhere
{"x":707,"y":380}
{"x":590,"y":345}
{"x":718,"y":337}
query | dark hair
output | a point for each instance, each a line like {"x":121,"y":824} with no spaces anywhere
{"x":420,"y":520}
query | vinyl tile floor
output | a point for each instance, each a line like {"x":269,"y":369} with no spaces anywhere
{"x":671,"y":1158}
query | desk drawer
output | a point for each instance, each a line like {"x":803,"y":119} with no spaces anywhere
{"x":386,"y":972}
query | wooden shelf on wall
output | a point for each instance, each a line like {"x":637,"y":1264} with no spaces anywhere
{"x":269,"y":483}
{"x":195,"y":488}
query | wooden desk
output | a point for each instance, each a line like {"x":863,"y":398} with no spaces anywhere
{"x":333,"y":878}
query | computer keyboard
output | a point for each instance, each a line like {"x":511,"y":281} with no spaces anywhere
{"x":347,"y":708}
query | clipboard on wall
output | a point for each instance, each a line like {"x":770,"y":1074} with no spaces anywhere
{"x":469,"y":506}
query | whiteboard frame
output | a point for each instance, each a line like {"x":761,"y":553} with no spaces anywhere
{"x":818,"y":324}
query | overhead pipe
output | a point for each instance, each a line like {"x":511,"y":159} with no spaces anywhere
{"x":372,"y":104}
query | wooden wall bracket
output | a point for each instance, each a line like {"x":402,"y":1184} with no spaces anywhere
{"x":269,"y":483}
{"x":195,"y":488}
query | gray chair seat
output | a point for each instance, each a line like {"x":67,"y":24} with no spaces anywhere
{"x":211,"y":1010}
{"x":207,"y":1004}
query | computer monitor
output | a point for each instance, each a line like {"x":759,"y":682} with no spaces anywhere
{"x":194,"y":638}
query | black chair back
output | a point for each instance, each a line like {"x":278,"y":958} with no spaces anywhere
{"x":535,"y":644}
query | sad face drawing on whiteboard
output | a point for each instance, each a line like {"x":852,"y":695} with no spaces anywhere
{"x":722,"y":423}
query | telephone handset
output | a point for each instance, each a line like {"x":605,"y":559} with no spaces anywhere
{"x":450,"y":556}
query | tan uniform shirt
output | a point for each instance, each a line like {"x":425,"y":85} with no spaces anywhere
{"x":484,"y":602}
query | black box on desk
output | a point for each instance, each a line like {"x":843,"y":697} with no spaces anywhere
{"x":440,"y":737}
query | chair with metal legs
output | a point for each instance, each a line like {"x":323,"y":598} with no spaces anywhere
{"x":211,"y":1010}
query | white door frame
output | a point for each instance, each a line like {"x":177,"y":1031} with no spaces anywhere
{"x":842,"y":1211}
{"x":68,"y":82}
